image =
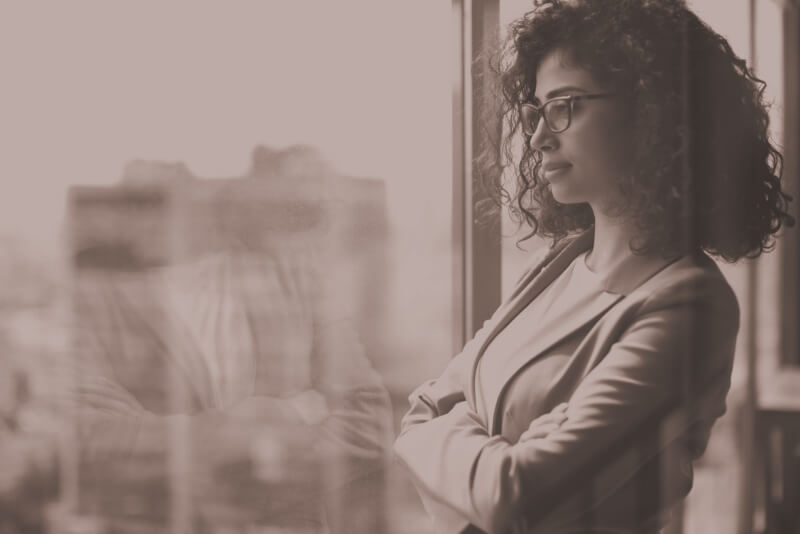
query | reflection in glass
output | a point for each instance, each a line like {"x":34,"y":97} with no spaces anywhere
{"x":219,"y":379}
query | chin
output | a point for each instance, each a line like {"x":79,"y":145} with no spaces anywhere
{"x":564,"y":195}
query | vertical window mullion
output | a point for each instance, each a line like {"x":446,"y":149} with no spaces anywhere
{"x":477,"y":244}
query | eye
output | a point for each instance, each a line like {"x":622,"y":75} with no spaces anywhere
{"x":559,"y":109}
{"x":560,"y":106}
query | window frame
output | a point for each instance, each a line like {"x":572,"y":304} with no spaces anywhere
{"x":476,"y":245}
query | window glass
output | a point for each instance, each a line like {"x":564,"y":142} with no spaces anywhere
{"x":226,"y":250}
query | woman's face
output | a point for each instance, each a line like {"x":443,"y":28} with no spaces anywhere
{"x":584,"y":162}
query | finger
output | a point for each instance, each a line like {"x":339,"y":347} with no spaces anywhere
{"x":557,"y":418}
{"x":539,"y":432}
{"x":547,"y":421}
{"x":529,"y":436}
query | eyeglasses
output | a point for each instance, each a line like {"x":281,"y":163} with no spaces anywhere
{"x":557,"y":112}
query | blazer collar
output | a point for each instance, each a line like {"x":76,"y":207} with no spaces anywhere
{"x":631,"y":271}
{"x":628,"y":273}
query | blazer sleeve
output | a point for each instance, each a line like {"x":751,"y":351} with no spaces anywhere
{"x":438,"y":396}
{"x":436,"y":399}
{"x":496,"y":484}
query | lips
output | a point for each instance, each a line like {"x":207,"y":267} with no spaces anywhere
{"x":554,"y":166}
{"x":553,"y":170}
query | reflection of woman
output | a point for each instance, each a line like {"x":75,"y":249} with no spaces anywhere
{"x":582,"y":402}
{"x":249,"y":349}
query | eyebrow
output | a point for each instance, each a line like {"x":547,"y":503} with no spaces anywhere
{"x":560,"y":91}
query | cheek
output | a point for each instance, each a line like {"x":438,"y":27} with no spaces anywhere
{"x":605,"y":151}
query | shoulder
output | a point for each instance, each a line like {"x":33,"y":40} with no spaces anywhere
{"x":693,"y":288}
{"x":690,"y":277}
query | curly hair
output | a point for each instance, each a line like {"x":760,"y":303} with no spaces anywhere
{"x":706,"y":174}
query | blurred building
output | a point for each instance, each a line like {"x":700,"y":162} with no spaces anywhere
{"x":289,"y":205}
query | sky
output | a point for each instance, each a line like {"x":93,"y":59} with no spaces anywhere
{"x":91,"y":84}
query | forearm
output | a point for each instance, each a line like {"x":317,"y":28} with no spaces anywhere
{"x":359,"y":425}
{"x":498,"y":486}
{"x":429,"y":452}
{"x":109,"y":433}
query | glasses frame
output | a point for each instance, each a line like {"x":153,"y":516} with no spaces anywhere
{"x":570,"y":99}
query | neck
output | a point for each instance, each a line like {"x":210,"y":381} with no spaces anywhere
{"x":612,"y":237}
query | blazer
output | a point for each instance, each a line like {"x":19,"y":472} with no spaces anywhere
{"x":648,"y":370}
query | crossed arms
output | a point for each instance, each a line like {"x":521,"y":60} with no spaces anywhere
{"x":465,"y":476}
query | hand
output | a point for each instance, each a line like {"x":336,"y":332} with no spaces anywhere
{"x":73,"y":389}
{"x":542,"y":426}
{"x":308,"y":406}
{"x":311,"y":405}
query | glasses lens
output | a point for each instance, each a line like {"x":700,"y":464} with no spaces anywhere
{"x":529,"y":117}
{"x":557,"y":115}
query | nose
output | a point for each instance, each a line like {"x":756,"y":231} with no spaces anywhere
{"x":543,"y":139}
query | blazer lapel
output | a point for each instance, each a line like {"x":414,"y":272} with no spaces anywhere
{"x":549,"y":338}
{"x":530,"y":286}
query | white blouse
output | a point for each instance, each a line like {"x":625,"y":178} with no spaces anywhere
{"x":572,"y":290}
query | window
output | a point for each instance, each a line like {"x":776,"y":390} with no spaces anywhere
{"x":316,"y":143}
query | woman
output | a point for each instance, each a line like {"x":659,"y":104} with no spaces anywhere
{"x":583,"y":401}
